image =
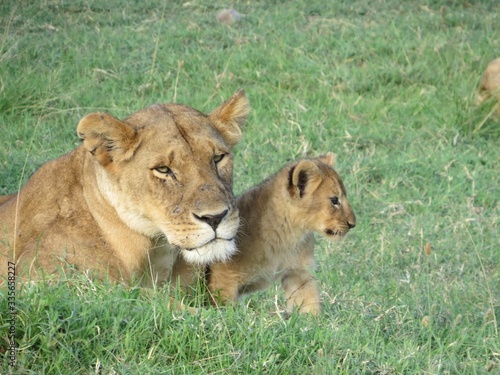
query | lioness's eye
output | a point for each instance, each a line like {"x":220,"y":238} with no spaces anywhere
{"x":218,"y":158}
{"x":165,"y":170}
{"x":335,"y":201}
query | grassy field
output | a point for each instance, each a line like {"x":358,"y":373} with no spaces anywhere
{"x":389,"y":86}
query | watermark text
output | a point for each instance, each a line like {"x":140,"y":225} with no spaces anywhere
{"x":11,"y":301}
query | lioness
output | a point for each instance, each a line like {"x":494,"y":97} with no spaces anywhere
{"x":276,"y":237}
{"x":489,"y":88}
{"x":158,"y":182}
{"x":490,"y":81}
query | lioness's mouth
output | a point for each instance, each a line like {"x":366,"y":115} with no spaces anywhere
{"x":216,"y":250}
{"x":207,"y":243}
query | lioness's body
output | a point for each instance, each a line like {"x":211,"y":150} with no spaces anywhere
{"x":275,"y":240}
{"x":157,"y":182}
{"x":62,"y":223}
{"x":5,"y":198}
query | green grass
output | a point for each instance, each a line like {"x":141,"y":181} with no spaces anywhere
{"x":387,"y":85}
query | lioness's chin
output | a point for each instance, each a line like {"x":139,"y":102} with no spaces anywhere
{"x":217,"y":250}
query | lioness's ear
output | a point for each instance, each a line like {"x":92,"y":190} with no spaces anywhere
{"x":330,"y":158}
{"x":107,"y":138}
{"x":230,"y":117}
{"x":303,"y":178}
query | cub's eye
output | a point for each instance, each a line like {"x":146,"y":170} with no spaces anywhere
{"x":218,"y":158}
{"x":165,"y":170}
{"x":335,"y":201}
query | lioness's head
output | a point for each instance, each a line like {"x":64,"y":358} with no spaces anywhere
{"x":167,"y":170}
{"x":319,"y":197}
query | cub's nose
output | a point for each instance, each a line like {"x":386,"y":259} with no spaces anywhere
{"x":351,"y":225}
{"x":212,"y":220}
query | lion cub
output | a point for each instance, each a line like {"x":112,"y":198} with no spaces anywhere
{"x":275,"y":240}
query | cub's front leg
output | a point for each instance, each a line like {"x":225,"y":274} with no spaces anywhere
{"x":223,"y":284}
{"x":301,"y":291}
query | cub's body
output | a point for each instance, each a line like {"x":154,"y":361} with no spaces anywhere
{"x":278,"y":249}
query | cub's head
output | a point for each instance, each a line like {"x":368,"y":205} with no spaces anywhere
{"x":167,"y":170}
{"x":319,"y":198}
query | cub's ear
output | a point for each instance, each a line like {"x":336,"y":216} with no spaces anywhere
{"x":107,"y":138}
{"x":230,"y":117}
{"x":330,"y":158}
{"x":303,"y":178}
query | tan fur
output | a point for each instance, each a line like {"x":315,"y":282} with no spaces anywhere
{"x":152,"y":185}
{"x":6,"y":198}
{"x":489,"y":87}
{"x":276,"y":237}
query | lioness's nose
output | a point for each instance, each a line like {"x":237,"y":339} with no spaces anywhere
{"x":212,"y":220}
